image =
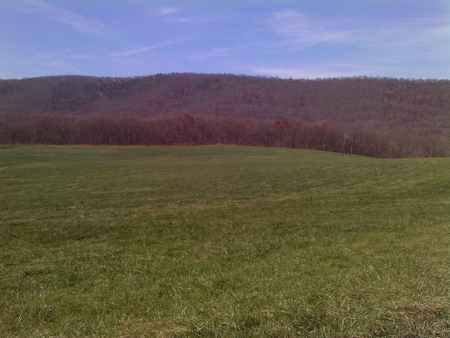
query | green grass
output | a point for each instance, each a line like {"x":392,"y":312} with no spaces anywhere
{"x":221,"y":242}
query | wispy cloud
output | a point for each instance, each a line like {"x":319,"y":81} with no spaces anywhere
{"x":167,"y":10}
{"x":216,"y":52}
{"x":297,"y":29}
{"x":59,"y":62}
{"x":423,"y":35}
{"x":167,"y":14}
{"x":76,"y":21}
{"x":199,"y":19}
{"x":300,"y":30}
{"x":162,"y":11}
{"x":145,"y":49}
{"x":404,"y":38}
{"x":64,"y":54}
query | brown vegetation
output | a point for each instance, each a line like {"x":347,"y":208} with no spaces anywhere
{"x":379,"y":117}
{"x":185,"y":130}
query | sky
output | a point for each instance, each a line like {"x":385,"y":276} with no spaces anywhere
{"x":285,"y":38}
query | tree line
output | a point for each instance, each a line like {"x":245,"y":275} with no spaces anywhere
{"x":187,"y":130}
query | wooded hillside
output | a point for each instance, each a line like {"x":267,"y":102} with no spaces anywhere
{"x":410,"y":117}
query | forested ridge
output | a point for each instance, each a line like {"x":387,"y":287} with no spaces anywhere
{"x":380,"y":117}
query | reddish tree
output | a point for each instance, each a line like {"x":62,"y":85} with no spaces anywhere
{"x":281,"y":124}
{"x":187,"y":117}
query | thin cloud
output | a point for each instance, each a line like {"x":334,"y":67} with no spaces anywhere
{"x":76,"y":21}
{"x":163,"y":11}
{"x":66,"y":54}
{"x":167,"y":15}
{"x":298,"y":29}
{"x":167,"y":10}
{"x":145,"y":49}
{"x":200,"y":19}
{"x":430,"y":34}
{"x":408,"y":39}
{"x":216,"y":52}
{"x":59,"y":62}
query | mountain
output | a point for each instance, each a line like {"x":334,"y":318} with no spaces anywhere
{"x":360,"y":102}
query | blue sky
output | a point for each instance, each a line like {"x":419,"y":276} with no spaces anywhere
{"x":298,"y":39}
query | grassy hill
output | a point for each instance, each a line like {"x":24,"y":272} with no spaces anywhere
{"x":221,"y":241}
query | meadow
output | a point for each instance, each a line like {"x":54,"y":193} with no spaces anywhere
{"x":220,"y":241}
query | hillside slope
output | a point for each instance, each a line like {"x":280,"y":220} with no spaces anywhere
{"x":374,"y":103}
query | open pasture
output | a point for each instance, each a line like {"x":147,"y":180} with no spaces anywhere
{"x":221,"y":241}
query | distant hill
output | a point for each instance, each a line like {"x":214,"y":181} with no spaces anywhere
{"x":361,"y":102}
{"x":378,"y":117}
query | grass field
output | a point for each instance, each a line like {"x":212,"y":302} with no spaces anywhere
{"x":221,"y":242}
